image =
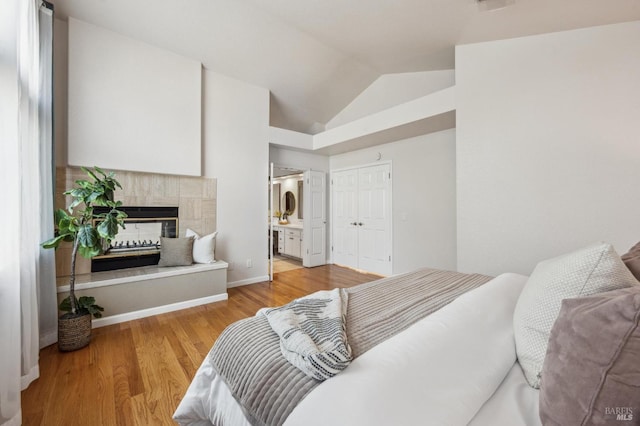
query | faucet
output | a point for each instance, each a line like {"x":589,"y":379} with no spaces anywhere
{"x":284,"y":217}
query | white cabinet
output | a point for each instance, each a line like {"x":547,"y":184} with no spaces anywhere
{"x":292,"y":242}
{"x":289,"y":241}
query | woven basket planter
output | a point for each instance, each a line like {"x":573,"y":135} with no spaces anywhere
{"x":74,"y":331}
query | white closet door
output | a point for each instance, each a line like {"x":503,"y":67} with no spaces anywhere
{"x":315,"y":219}
{"x":361,"y":218}
{"x":345,"y":217}
{"x":374,"y":219}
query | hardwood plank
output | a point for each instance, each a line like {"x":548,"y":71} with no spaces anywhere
{"x":127,"y":378}
{"x":136,"y":373}
{"x":100,"y":384}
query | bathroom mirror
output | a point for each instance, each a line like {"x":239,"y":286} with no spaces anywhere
{"x":289,"y":201}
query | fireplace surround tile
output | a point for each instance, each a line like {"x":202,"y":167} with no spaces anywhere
{"x":191,"y":187}
{"x":209,"y":189}
{"x":191,"y":208}
{"x":208,"y":209}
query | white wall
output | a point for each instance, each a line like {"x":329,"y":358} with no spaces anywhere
{"x":298,"y":159}
{"x":390,"y":90}
{"x":424,"y":197}
{"x":236,"y":152}
{"x":548,"y":146}
{"x":290,"y":138}
{"x":132,"y":106}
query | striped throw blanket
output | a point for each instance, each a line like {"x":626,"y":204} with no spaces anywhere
{"x":312,"y":333}
{"x":248,"y":358}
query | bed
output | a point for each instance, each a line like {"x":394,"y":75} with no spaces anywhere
{"x":455,"y":365}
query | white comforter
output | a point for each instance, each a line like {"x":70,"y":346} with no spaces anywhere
{"x":455,"y":367}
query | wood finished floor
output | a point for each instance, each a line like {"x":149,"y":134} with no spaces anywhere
{"x":284,"y":264}
{"x":135,"y":373}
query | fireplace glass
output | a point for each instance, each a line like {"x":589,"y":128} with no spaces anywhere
{"x":139,"y":243}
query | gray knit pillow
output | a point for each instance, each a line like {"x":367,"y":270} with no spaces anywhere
{"x":593,"y":269}
{"x":176,"y":251}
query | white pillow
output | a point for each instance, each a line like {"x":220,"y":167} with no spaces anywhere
{"x":203,"y":247}
{"x":593,"y":269}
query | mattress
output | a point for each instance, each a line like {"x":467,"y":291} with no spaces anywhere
{"x":455,"y":367}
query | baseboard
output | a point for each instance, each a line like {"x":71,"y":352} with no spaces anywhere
{"x":143,"y":313}
{"x":248,"y":281}
{"x":48,"y":339}
{"x":16,"y":420}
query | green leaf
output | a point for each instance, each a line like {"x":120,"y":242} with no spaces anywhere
{"x":88,"y":304}
{"x":108,"y":228}
{"x":90,"y":173}
{"x":100,"y":201}
{"x":65,"y":305}
{"x":89,"y":241}
{"x":84,"y":184}
{"x":67,"y":225}
{"x":92,"y":197}
{"x":70,"y":227}
{"x":54,"y":242}
{"x":63,"y":222}
{"x":59,"y":215}
{"x":78,"y":192}
{"x":86,"y":301}
{"x":87,"y":236}
{"x":89,"y":252}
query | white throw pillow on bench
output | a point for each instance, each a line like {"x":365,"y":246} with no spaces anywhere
{"x":203,"y":247}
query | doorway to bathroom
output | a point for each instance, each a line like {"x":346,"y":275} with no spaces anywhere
{"x":297,"y":218}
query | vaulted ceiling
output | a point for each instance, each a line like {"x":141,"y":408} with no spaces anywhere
{"x":315,"y":56}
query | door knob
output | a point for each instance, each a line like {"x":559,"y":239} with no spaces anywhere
{"x":360,"y":223}
{"x":353,"y":223}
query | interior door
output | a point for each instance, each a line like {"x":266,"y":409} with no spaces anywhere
{"x":315,"y":219}
{"x":374,"y":219}
{"x":345,"y":217}
{"x":272,"y":206}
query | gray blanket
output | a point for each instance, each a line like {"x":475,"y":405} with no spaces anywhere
{"x":247,"y":354}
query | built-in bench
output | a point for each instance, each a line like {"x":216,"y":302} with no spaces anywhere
{"x":133,"y":293}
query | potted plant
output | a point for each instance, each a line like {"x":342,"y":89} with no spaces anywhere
{"x":90,"y":233}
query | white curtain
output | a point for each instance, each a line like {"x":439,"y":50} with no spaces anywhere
{"x":27,"y":271}
{"x":9,"y":215}
{"x":46,"y":276}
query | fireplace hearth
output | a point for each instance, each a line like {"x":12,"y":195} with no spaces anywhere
{"x":139,"y":243}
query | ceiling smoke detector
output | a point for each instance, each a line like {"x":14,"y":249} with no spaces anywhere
{"x":494,"y":4}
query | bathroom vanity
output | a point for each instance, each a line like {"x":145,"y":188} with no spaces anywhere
{"x":289,"y":239}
